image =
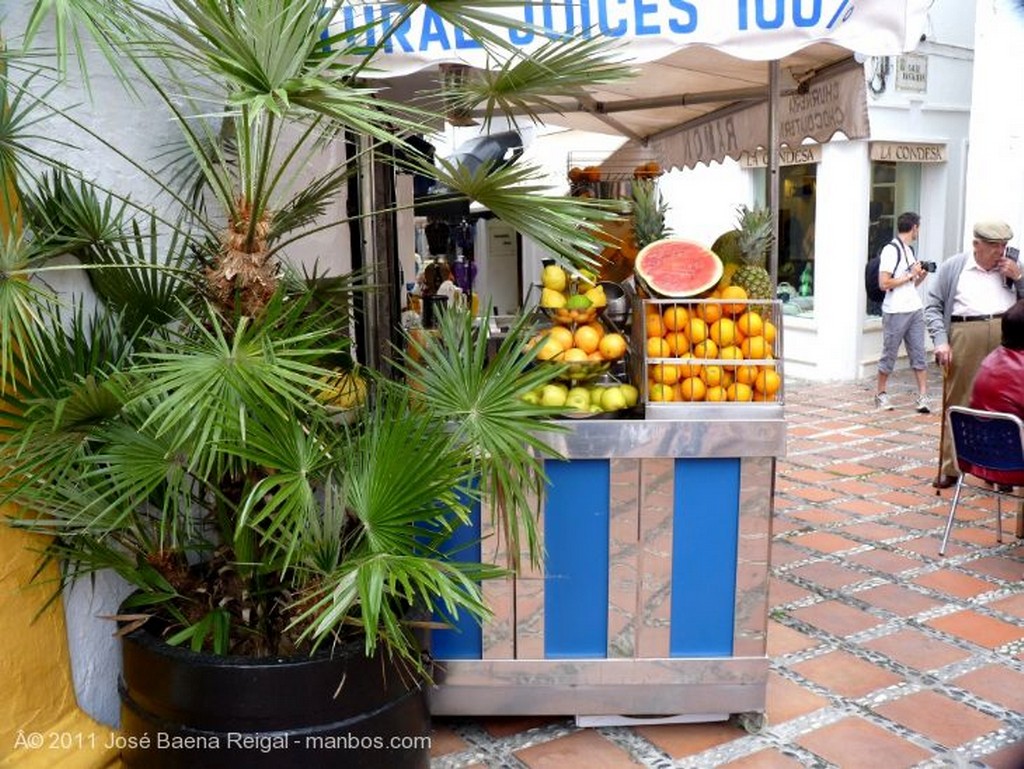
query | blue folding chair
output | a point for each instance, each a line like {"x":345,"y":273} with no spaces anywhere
{"x":988,"y":445}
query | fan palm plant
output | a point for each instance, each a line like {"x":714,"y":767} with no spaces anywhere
{"x":175,"y":430}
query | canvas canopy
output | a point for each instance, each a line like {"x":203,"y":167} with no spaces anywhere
{"x":693,"y":57}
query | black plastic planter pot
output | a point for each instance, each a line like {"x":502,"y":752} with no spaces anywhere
{"x":182,"y":710}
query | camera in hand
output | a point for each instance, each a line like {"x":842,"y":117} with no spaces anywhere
{"x":929,"y":266}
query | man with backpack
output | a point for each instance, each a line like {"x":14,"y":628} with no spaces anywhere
{"x":899,"y":275}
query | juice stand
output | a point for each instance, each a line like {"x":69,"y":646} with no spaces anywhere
{"x":653,"y":594}
{"x":652,"y":597}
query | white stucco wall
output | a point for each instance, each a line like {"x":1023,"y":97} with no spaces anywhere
{"x":995,"y":169}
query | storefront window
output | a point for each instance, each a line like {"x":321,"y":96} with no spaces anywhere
{"x":895,"y":188}
{"x":797,"y":202}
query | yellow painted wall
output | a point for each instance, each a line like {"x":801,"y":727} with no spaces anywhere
{"x":40,"y":723}
{"x":35,"y":673}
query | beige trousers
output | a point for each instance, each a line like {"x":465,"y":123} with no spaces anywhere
{"x":970,"y":341}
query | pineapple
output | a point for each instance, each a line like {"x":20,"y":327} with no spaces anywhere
{"x":648,"y":213}
{"x":755,"y":238}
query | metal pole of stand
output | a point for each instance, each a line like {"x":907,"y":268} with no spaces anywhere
{"x":774,"y":94}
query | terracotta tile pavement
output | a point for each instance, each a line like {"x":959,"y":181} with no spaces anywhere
{"x":882,"y":654}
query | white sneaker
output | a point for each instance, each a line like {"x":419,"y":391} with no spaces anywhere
{"x":882,"y":402}
{"x":924,"y":404}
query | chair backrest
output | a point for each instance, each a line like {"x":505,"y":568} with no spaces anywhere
{"x":986,"y":440}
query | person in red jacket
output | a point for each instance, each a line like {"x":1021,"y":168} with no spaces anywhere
{"x":999,"y":383}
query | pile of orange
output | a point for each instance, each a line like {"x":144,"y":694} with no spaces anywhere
{"x":580,"y":343}
{"x":696,"y":351}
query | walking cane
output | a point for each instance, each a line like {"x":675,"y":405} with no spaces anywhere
{"x":942,"y":429}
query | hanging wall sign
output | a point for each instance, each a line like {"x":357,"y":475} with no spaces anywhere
{"x":912,"y":73}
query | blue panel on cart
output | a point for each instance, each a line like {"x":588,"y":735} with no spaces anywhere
{"x":465,"y":640}
{"x":576,"y":565}
{"x":704,"y":533}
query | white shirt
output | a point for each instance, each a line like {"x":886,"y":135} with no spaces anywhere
{"x":896,"y":258}
{"x":451,"y":292}
{"x":981,"y":292}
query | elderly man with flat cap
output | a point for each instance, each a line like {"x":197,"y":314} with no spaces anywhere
{"x":965,"y":303}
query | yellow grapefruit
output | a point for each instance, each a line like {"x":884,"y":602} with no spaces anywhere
{"x":705,"y":349}
{"x":661,"y":392}
{"x":723,"y":332}
{"x":768,"y":382}
{"x":678,"y":343}
{"x":562,"y":335}
{"x":737,"y":294}
{"x":738,"y":391}
{"x":755,"y":347}
{"x":712,"y":376}
{"x":586,"y":338}
{"x":692,"y":389}
{"x":654,"y":325}
{"x":657,"y":347}
{"x":750,"y":324}
{"x":716,"y":393}
{"x":665,"y":373}
{"x":696,"y":330}
{"x":612,"y":346}
{"x":675,"y":318}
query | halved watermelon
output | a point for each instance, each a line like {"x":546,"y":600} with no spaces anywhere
{"x":677,"y":268}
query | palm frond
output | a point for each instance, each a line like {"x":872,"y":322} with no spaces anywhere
{"x":209,"y":386}
{"x":80,"y":25}
{"x":24,"y":306}
{"x":515,"y":194}
{"x":482,"y":402}
{"x":529,"y":86}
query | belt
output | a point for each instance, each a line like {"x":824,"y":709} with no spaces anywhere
{"x":969,"y":318}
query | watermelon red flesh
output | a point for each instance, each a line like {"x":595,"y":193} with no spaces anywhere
{"x":678,"y":268}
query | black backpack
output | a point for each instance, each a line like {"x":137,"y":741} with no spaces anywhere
{"x":876,"y":294}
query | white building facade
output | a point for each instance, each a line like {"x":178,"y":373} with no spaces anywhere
{"x":839,"y":199}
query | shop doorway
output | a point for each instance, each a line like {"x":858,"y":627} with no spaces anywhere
{"x":895,"y":188}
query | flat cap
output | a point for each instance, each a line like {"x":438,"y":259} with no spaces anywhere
{"x":993,"y":231}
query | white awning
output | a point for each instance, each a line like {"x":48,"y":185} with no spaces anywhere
{"x":831,"y":105}
{"x":654,"y":30}
{"x":694,"y":57}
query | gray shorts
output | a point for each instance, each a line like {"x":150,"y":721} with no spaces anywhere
{"x":905,"y":327}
